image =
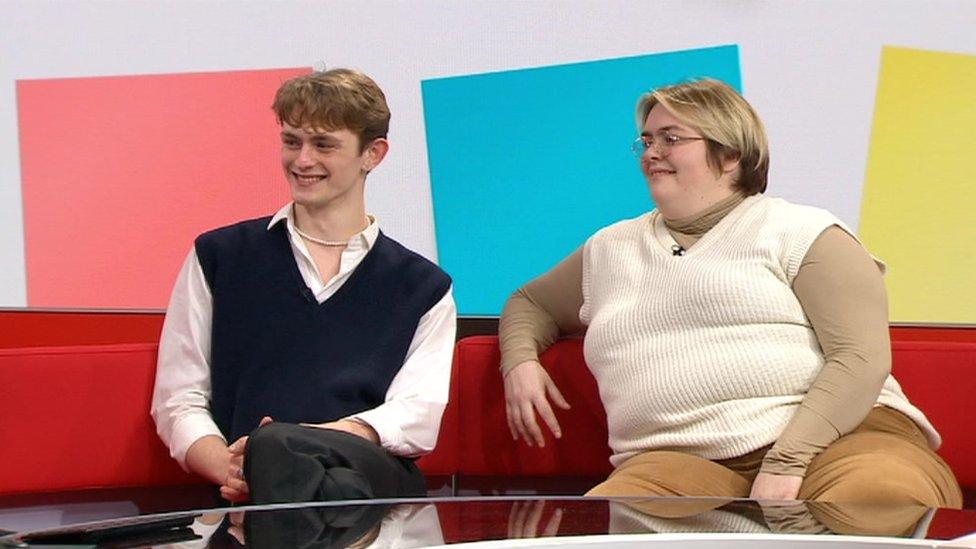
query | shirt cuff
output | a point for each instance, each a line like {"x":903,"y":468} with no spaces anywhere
{"x":807,"y":434}
{"x":189,"y":430}
{"x":412,"y":438}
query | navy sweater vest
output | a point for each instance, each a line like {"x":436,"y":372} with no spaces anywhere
{"x":276,"y":351}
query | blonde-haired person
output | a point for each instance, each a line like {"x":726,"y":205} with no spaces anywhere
{"x":284,"y":327}
{"x":740,"y":342}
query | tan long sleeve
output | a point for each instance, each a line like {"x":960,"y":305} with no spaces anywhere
{"x":538,"y":313}
{"x":842,"y":293}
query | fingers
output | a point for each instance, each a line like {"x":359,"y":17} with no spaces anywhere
{"x":237,"y":448}
{"x":237,"y":518}
{"x":236,"y":528}
{"x":526,"y":390}
{"x":520,"y":429}
{"x":516,"y":519}
{"x":525,"y":517}
{"x":545,"y":411}
{"x":237,"y":484}
{"x":534,"y":518}
{"x":768,"y":486}
{"x":211,"y":519}
{"x":511,"y":519}
{"x":512,"y":414}
{"x":528,"y":421}
{"x":509,"y":418}
{"x":552,"y":527}
{"x":236,"y":471}
{"x":234,"y":488}
{"x":555,"y":395}
{"x":237,"y":533}
{"x":235,"y":495}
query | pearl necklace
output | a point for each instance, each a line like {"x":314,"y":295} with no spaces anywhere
{"x":330,"y":243}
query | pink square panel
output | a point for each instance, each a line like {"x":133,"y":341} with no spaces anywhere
{"x":120,"y":173}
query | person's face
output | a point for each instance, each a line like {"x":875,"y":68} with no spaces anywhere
{"x":679,"y":175}
{"x":323,"y":166}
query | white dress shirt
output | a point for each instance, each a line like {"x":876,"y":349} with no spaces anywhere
{"x":407,"y":422}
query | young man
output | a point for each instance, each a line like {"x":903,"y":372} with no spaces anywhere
{"x":311,"y":323}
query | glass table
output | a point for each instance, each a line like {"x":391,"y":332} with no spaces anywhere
{"x":495,"y":522}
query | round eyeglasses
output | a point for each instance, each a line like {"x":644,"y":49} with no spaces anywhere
{"x":662,"y":142}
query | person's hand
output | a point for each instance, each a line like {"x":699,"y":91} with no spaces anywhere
{"x":526,"y":388}
{"x":775,"y":487}
{"x":234,"y":488}
{"x":359,"y":428}
{"x":524,"y":519}
{"x":236,"y":527}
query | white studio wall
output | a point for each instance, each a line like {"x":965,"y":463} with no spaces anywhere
{"x":810,"y":68}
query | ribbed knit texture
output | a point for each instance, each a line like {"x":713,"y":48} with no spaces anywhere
{"x":708,"y":353}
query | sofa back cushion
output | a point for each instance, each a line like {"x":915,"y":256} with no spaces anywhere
{"x":938,"y":377}
{"x":443,"y":461}
{"x":487,"y":447}
{"x":78,"y":417}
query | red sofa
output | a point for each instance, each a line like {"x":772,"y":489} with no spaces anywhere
{"x":77,"y":417}
{"x":938,"y":376}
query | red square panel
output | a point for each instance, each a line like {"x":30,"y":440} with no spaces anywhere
{"x":120,"y":173}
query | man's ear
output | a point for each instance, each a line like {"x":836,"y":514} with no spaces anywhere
{"x":375,"y":153}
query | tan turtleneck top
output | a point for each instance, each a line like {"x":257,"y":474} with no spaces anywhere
{"x":842,"y":294}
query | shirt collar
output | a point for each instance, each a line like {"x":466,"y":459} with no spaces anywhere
{"x":366,"y":238}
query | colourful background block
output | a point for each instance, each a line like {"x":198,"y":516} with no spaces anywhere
{"x":119,"y":175}
{"x":526,"y":164}
{"x":920,"y":191}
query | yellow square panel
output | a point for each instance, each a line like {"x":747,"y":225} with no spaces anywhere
{"x":920,"y":189}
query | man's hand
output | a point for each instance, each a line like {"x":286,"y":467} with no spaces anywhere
{"x":354,"y":427}
{"x":526,"y":387}
{"x":236,"y":527}
{"x":234,"y":488}
{"x":775,"y":487}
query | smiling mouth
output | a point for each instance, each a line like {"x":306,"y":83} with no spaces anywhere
{"x":658,"y":172}
{"x":308,"y":178}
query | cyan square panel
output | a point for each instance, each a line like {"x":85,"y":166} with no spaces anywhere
{"x":526,"y":164}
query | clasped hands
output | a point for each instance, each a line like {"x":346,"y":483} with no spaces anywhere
{"x":234,"y":488}
{"x":528,"y":389}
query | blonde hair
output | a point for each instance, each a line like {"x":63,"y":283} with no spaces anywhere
{"x":730,"y":126}
{"x":333,"y":100}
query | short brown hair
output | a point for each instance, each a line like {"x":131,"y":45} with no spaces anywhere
{"x":334,"y":100}
{"x":730,"y":125}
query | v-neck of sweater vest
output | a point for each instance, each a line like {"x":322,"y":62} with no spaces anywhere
{"x":348,"y":286}
{"x":692,"y":232}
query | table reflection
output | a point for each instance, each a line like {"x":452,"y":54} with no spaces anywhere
{"x":426,"y":523}
{"x":748,"y":517}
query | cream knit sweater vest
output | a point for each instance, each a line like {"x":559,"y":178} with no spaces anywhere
{"x":708,"y":353}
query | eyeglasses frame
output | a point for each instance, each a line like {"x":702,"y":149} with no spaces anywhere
{"x":640,"y":145}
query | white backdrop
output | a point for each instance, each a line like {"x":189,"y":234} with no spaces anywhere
{"x":810,"y":68}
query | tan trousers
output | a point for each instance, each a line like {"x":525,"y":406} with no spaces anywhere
{"x":885,"y":460}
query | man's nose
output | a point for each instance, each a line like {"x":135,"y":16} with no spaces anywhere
{"x":305,"y":156}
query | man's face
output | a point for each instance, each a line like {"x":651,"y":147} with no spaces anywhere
{"x":323,"y":166}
